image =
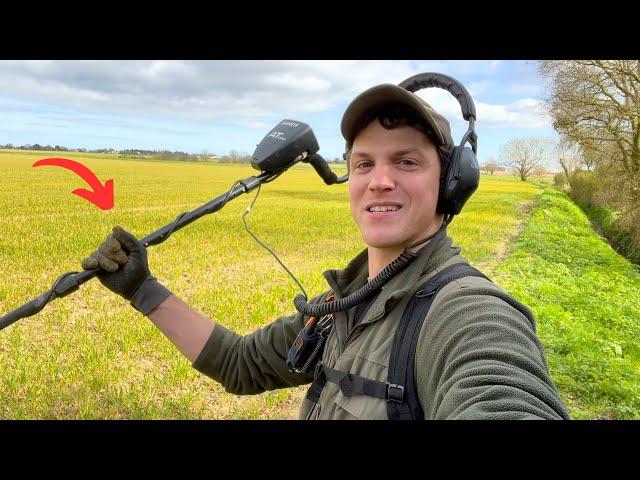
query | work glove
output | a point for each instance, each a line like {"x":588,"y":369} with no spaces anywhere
{"x":124,"y":269}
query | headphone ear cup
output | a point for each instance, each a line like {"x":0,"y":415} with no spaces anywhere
{"x":461,"y":180}
{"x":444,"y":194}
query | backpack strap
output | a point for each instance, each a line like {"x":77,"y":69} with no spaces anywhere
{"x":350,"y":384}
{"x":400,"y":390}
{"x":405,"y":405}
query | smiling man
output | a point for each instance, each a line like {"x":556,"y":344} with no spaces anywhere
{"x":394,"y":178}
{"x":476,"y":354}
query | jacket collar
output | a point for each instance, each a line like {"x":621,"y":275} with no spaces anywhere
{"x":354,"y":276}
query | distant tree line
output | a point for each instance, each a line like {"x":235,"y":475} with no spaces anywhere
{"x":137,"y":152}
{"x":490,"y":166}
{"x":36,"y":146}
{"x":234,"y":156}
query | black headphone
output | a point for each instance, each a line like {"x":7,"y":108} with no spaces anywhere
{"x":462,"y":176}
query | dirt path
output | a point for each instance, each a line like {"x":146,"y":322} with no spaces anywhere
{"x":503,"y":250}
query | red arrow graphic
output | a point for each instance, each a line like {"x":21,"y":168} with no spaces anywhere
{"x":101,"y":195}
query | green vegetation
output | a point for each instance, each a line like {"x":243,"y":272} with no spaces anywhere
{"x":607,"y":220}
{"x":90,"y":355}
{"x":586,"y":299}
{"x":592,"y":192}
{"x":560,"y":179}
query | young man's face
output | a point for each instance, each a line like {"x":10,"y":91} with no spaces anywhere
{"x":399,"y":168}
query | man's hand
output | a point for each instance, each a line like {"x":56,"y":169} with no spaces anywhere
{"x":124,"y":269}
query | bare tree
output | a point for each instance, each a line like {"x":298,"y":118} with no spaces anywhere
{"x":234,"y":156}
{"x":539,"y":171}
{"x":589,"y":158}
{"x":204,"y":155}
{"x":490,"y":166}
{"x":523,"y":155}
{"x":570,"y":156}
{"x":596,"y":103}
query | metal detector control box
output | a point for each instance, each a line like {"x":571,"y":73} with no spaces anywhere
{"x":283,"y":144}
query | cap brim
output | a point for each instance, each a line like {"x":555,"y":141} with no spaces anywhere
{"x":380,"y":95}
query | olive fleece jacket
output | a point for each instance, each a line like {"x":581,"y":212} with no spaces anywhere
{"x":478,"y":356}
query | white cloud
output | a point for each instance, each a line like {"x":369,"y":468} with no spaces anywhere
{"x":201,"y":90}
{"x":444,"y":103}
{"x":181,"y":95}
{"x":457,"y":68}
{"x":523,"y":113}
{"x":476,"y":88}
{"x":253,"y":124}
{"x":196,"y":89}
{"x":17,"y":107}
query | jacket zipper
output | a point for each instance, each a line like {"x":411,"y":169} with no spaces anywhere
{"x":355,"y":332}
{"x":353,"y":335}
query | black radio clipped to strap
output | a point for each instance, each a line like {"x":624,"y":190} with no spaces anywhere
{"x":308,"y":346}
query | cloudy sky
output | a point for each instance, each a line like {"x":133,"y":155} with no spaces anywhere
{"x":216,"y":106}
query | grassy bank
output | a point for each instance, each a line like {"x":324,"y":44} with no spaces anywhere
{"x":604,"y":219}
{"x":586,"y":298}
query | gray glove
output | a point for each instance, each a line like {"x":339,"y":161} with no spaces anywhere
{"x":124,"y":269}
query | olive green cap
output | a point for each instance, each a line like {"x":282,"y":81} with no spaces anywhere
{"x":388,"y":93}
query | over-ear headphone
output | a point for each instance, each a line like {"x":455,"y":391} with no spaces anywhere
{"x":462,"y":176}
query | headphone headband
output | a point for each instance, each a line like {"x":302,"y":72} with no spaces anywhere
{"x":450,"y":84}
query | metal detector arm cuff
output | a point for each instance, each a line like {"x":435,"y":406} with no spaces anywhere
{"x":149,"y":295}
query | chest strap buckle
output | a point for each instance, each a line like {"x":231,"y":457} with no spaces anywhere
{"x":395,"y":392}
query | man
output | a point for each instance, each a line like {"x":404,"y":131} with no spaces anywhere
{"x":477,"y":355}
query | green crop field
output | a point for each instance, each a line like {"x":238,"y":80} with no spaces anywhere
{"x":90,"y":355}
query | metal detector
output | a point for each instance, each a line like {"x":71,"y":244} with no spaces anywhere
{"x":288,"y":143}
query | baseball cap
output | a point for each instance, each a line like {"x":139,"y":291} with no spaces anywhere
{"x":388,"y":93}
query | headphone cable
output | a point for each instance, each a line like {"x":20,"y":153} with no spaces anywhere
{"x":246,"y":212}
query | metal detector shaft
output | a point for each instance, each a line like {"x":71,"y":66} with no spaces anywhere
{"x":72,"y":282}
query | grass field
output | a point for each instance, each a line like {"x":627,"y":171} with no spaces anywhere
{"x":90,"y":355}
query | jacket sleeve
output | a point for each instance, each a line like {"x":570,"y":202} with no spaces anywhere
{"x":479,"y":357}
{"x":255,"y":362}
